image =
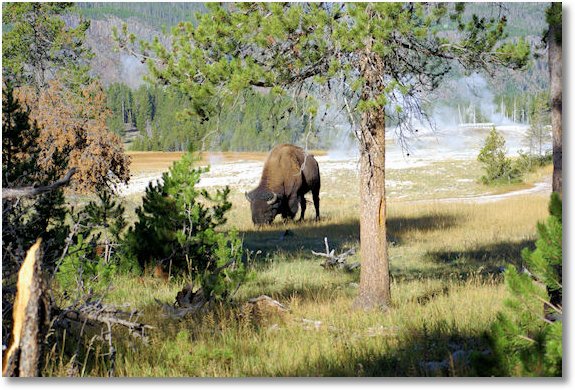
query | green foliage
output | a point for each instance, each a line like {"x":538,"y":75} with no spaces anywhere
{"x":526,"y":162}
{"x":156,"y":14}
{"x":256,"y":122}
{"x":498,"y":167}
{"x":81,"y":271}
{"x":554,"y":17}
{"x":177,"y":225}
{"x":38,"y":43}
{"x":515,"y":54}
{"x":26,"y":219}
{"x":545,"y":262}
{"x":104,"y":220}
{"x":259,"y":123}
{"x":282,"y":45}
{"x":501,"y":169}
{"x":524,"y":342}
{"x":539,"y":133}
{"x":96,"y":252}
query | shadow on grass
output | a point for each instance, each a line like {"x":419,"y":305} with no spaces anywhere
{"x":324,"y":292}
{"x":397,"y":228}
{"x":494,"y":255}
{"x":418,"y":353}
{"x":302,"y":237}
{"x":292,"y":237}
{"x":486,"y":261}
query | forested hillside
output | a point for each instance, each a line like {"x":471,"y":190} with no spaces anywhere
{"x":257,"y":121}
{"x":156,"y":15}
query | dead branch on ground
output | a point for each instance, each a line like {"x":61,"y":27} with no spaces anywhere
{"x":337,"y":262}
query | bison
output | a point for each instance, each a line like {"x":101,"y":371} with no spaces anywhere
{"x":289,"y":173}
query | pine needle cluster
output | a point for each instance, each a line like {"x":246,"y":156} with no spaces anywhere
{"x":527,"y":336}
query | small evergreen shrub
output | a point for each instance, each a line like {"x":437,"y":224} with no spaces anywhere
{"x":95,"y":253}
{"x":530,"y":162}
{"x":178,"y":227}
{"x":498,"y":167}
{"x":527,"y":337}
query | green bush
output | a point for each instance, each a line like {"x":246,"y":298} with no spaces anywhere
{"x":498,"y":167}
{"x":177,"y":227}
{"x":95,"y":253}
{"x":527,"y":337}
{"x":81,"y":270}
{"x":527,"y":162}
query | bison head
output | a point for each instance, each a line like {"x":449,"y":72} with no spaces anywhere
{"x":264,"y":205}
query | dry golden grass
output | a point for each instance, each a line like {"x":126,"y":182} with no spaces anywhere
{"x":446,"y":261}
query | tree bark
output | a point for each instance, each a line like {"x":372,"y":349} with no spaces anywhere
{"x":28,"y":192}
{"x":555,"y":72}
{"x":554,"y":39}
{"x":30,"y":317}
{"x":374,"y":286}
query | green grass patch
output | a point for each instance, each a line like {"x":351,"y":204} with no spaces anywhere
{"x":446,"y":261}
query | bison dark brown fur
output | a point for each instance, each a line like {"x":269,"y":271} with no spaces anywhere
{"x":289,"y":173}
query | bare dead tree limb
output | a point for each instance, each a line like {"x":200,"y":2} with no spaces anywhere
{"x":27,"y":192}
{"x":340,"y":261}
{"x":30,"y":311}
{"x":95,"y":312}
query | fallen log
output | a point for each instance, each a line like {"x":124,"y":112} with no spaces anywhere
{"x":95,"y":312}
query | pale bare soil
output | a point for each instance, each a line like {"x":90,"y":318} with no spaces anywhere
{"x":416,"y":179}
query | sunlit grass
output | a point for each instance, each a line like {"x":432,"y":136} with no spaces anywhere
{"x":446,"y":262}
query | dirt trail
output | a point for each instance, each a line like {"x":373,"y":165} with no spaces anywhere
{"x":542,"y":187}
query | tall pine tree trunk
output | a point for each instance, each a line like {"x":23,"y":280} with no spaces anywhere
{"x":554,"y":40}
{"x":374,"y":287}
{"x":555,"y":71}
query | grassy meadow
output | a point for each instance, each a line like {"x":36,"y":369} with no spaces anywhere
{"x":446,"y":262}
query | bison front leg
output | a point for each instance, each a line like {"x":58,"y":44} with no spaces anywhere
{"x":292,"y":206}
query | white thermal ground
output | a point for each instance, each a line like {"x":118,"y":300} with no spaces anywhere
{"x":427,"y":148}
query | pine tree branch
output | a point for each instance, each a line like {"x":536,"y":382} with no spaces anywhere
{"x":27,"y":192}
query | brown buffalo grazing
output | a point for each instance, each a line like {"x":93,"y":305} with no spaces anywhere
{"x":289,"y":173}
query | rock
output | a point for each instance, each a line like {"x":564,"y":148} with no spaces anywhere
{"x":264,"y":310}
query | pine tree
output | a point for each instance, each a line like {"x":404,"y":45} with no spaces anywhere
{"x":554,"y":40}
{"x":494,"y":159}
{"x":538,"y":135}
{"x":387,"y":53}
{"x":95,"y":252}
{"x":527,"y":336}
{"x":24,"y":220}
{"x":47,"y":63}
{"x":177,"y":227}
{"x":73,"y":132}
{"x":38,"y":44}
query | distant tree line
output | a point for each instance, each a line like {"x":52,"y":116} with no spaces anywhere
{"x":252,"y":121}
{"x":158,"y":15}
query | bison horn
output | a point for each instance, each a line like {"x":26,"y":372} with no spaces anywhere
{"x":248,"y":197}
{"x":273,"y":199}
